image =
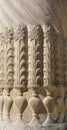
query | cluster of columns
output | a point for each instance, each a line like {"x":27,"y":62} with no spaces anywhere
{"x":31,"y":58}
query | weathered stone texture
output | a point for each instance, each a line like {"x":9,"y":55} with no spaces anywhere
{"x":33,"y":66}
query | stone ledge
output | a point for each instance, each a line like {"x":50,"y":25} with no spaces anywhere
{"x":57,"y":126}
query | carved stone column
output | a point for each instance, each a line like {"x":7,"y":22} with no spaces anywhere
{"x":20,"y":69}
{"x":49,"y":77}
{"x":35,"y":70}
{"x":1,"y":75}
{"x":9,"y":71}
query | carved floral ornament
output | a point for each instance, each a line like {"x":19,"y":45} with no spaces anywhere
{"x":33,"y":64}
{"x":33,"y":61}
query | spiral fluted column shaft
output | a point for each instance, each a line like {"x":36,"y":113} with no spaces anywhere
{"x":21,"y":55}
{"x":35,"y":62}
{"x":35,"y":69}
{"x":49,"y":70}
{"x":9,"y":67}
{"x":48,"y":54}
{"x":9,"y":57}
{"x":20,"y":82}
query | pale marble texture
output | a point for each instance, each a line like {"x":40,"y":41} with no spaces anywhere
{"x":34,"y":11}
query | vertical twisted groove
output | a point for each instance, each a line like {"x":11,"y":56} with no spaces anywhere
{"x":47,"y":57}
{"x":9,"y":66}
{"x":36,"y":56}
{"x":23,"y":70}
{"x":22,"y":41}
{"x":10,"y":57}
{"x":48,"y":54}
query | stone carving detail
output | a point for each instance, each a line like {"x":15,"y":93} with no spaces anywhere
{"x":48,"y":54}
{"x":10,"y":56}
{"x":49,"y":70}
{"x":33,"y":60}
{"x":1,"y":75}
{"x":35,"y":77}
{"x":35,"y":106}
{"x":49,"y":105}
{"x":21,"y":104}
{"x":35,"y":54}
{"x":9,"y":39}
{"x":21,"y":85}
{"x":21,"y":44}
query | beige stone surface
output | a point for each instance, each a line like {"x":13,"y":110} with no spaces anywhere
{"x":35,"y":11}
{"x":33,"y":64}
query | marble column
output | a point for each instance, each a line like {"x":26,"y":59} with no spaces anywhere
{"x":20,"y":70}
{"x":35,"y":69}
{"x":8,"y":71}
{"x":49,"y":70}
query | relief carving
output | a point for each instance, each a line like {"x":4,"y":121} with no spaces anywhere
{"x":1,"y":75}
{"x":31,"y":59}
{"x":9,"y":66}
{"x":35,"y":79}
{"x":21,"y":85}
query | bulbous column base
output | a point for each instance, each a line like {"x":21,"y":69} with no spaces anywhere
{"x":49,"y":106}
{"x":21,"y":104}
{"x":19,"y":121}
{"x":35,"y":105}
{"x":49,"y":120}
{"x":8,"y":101}
{"x":35,"y":120}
